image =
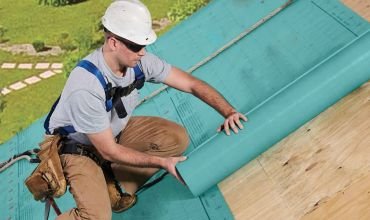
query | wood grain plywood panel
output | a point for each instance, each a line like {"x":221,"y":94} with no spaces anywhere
{"x":309,"y":168}
{"x":361,"y":7}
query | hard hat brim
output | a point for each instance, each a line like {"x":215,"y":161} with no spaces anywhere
{"x":149,"y":39}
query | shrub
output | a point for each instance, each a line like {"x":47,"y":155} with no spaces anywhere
{"x":3,"y":30}
{"x":184,"y":8}
{"x":66,"y":43}
{"x":71,"y":61}
{"x":39,"y":45}
{"x":85,"y":46}
{"x":2,"y":104}
{"x":86,"y":41}
{"x":97,"y":34}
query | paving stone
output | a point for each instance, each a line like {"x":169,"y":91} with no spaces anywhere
{"x":47,"y":74}
{"x":42,"y":66}
{"x":58,"y":71}
{"x":8,"y":65}
{"x":5,"y":91}
{"x":32,"y":80}
{"x":17,"y":86}
{"x":25,"y":66}
{"x":57,"y":65}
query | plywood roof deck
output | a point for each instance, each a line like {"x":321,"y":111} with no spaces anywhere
{"x":361,"y":7}
{"x":321,"y":171}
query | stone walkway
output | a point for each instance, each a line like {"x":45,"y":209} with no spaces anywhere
{"x":50,"y":69}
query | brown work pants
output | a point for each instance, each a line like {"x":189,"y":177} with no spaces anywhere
{"x":152,"y":135}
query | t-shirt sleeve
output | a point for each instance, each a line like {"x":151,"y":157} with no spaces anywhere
{"x":86,"y":111}
{"x":155,"y":69}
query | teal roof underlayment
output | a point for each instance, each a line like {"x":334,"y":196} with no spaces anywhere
{"x":282,"y":74}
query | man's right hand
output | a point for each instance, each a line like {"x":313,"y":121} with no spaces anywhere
{"x":170,"y":166}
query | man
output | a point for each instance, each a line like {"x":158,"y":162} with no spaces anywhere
{"x":136,"y":147}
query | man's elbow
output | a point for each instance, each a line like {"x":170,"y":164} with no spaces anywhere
{"x":108,"y":153}
{"x":107,"y":157}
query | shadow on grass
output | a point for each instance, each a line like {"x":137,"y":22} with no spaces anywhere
{"x":58,"y":3}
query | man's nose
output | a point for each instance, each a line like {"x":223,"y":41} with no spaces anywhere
{"x":142,"y":52}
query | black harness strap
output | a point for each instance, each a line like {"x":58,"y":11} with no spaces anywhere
{"x":79,"y":149}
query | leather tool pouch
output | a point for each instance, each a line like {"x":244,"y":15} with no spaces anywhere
{"x":48,"y":180}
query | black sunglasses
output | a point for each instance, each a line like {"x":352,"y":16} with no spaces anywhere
{"x":130,"y":45}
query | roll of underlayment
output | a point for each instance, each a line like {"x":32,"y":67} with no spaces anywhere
{"x":279,"y":115}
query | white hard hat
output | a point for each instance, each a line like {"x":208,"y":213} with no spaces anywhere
{"x":131,"y":20}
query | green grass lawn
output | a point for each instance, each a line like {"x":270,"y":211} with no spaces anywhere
{"x":27,"y":21}
{"x":6,"y":57}
{"x":25,"y":106}
{"x":9,"y":76}
{"x":159,"y":8}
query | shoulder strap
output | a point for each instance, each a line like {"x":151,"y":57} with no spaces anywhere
{"x":63,"y":130}
{"x":139,"y":77}
{"x":90,"y":67}
{"x":47,"y":120}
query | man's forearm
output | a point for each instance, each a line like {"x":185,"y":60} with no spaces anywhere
{"x":128,"y":156}
{"x":210,"y":96}
{"x":185,"y":82}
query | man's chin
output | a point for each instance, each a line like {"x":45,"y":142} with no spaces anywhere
{"x":133,"y":64}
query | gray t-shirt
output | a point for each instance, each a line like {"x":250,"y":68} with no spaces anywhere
{"x":82,"y":103}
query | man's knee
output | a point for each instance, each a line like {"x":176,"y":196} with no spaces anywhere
{"x":97,"y":213}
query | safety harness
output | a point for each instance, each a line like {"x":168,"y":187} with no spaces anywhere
{"x":113,"y":95}
{"x":113,"y":99}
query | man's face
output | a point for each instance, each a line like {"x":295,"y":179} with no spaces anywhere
{"x":129,"y":52}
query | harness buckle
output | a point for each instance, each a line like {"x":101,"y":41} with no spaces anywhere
{"x":81,"y":149}
{"x":81,"y":152}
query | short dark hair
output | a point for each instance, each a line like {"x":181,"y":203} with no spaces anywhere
{"x":106,"y":30}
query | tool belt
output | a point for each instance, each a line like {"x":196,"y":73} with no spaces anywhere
{"x":47,"y":180}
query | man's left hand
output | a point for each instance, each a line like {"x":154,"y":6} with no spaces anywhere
{"x":232,"y":121}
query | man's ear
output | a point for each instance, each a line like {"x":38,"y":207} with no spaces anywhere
{"x":112,"y":42}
